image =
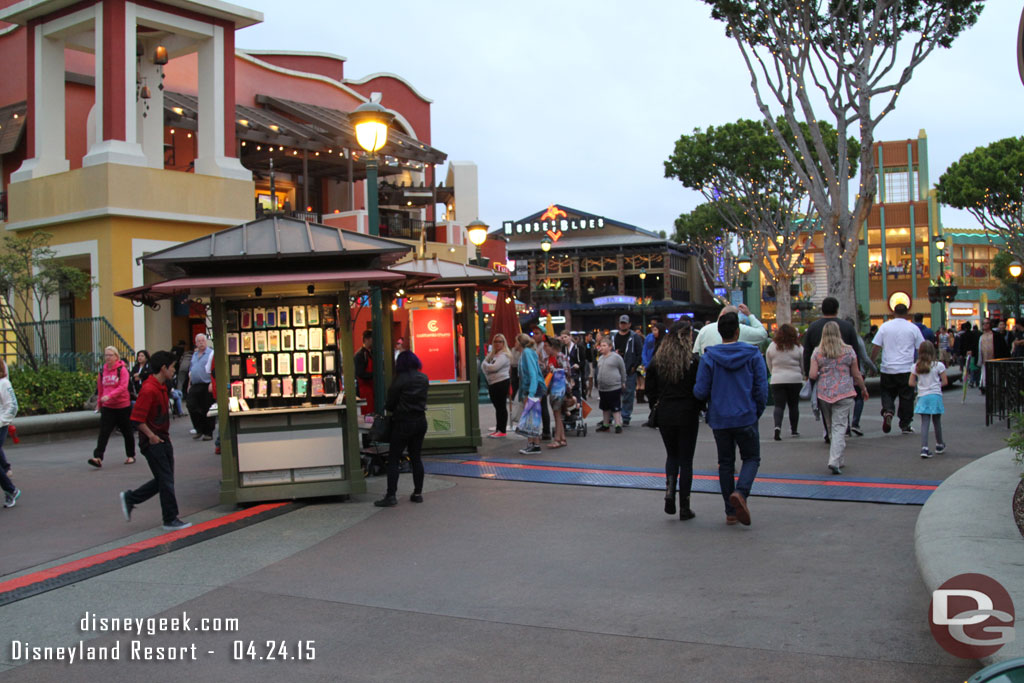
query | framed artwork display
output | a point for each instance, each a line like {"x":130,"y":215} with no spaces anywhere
{"x":235,"y":367}
{"x":316,"y":362}
{"x":268,"y":364}
{"x":247,"y":342}
{"x":259,"y":318}
{"x":261,"y":387}
{"x":329,"y":361}
{"x":284,"y":363}
{"x":249,"y":390}
{"x":275,"y":387}
{"x":316,"y":338}
{"x":234,"y":343}
{"x":274,"y":340}
{"x":283,"y":316}
{"x":299,"y":363}
{"x":327,"y":315}
{"x":245,"y":317}
{"x":251,"y":369}
{"x":288,"y":387}
{"x":271,"y":317}
{"x":231,"y":321}
{"x":313,"y":315}
{"x":301,"y":339}
{"x":287,"y":340}
{"x":261,"y":340}
{"x":298,"y":316}
{"x":330,"y":337}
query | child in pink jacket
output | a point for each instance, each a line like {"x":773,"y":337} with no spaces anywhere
{"x":114,"y":405}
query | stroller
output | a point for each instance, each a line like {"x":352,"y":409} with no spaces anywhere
{"x":572,"y":417}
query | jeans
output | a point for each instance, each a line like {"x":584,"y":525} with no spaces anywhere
{"x":749,"y":443}
{"x":5,"y":481}
{"x":787,"y":395}
{"x":110,"y":418}
{"x":406,"y":433}
{"x":199,"y":400}
{"x":499,"y":399}
{"x":176,"y":400}
{"x":628,"y":396}
{"x":680,"y":443}
{"x":160,"y":457}
{"x":858,"y":410}
{"x":836,"y":417}
{"x":898,"y":385}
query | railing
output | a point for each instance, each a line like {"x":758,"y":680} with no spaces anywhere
{"x":401,"y":226}
{"x":74,"y":344}
{"x":1004,"y":380}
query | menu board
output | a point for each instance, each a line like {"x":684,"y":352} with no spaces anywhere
{"x":284,"y":353}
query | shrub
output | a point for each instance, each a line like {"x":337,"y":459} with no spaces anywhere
{"x":51,"y":389}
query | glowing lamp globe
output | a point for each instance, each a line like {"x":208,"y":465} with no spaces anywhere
{"x":371,"y":122}
{"x":1015,"y":269}
{"x":545,"y":244}
{"x":743,"y":263}
{"x":477,"y":232}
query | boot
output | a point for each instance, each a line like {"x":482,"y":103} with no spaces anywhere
{"x":684,"y":508}
{"x":670,"y":495}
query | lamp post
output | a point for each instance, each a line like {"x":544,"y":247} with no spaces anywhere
{"x":744,"y":264}
{"x":371,"y":122}
{"x":1015,"y":271}
{"x":477,"y":231}
{"x":643,"y":302}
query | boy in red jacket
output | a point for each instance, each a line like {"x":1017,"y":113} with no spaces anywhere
{"x":152,"y":418}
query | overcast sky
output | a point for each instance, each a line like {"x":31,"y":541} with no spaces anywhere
{"x":580,"y":103}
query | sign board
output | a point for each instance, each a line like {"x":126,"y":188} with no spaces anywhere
{"x":615,"y":300}
{"x":963,"y":310}
{"x":553,"y":221}
{"x":433,"y":340}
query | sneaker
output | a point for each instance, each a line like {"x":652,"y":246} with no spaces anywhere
{"x":940,"y":448}
{"x":625,"y":421}
{"x":731,"y":520}
{"x":11,"y":498}
{"x":196,"y":436}
{"x":126,"y":507}
{"x":925,"y":453}
{"x":207,"y":437}
{"x":907,"y":430}
{"x":192,"y":431}
{"x":416,"y":497}
{"x":886,"y":422}
{"x":497,"y":435}
{"x":835,"y":470}
{"x":176,"y":525}
{"x":794,"y":434}
{"x":856,"y":430}
{"x":778,"y":434}
{"x":603,"y":427}
{"x":530,"y":450}
{"x":618,"y":429}
{"x":386,"y":502}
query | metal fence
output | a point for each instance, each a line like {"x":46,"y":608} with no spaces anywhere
{"x":1004,"y":382}
{"x":73,"y":344}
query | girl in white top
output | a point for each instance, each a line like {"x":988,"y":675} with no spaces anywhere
{"x":784,"y":359}
{"x":8,"y":410}
{"x":929,"y":376}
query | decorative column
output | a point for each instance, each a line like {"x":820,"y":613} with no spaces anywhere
{"x":45,"y":125}
{"x":216,"y":108}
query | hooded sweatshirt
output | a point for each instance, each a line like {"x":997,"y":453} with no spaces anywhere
{"x":733,"y":377}
{"x":113,"y":382}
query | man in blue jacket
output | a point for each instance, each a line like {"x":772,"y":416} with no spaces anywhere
{"x":733,"y":379}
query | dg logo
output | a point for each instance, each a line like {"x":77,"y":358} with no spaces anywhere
{"x":971,"y":616}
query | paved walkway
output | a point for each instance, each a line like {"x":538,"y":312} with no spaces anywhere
{"x":496,"y":580}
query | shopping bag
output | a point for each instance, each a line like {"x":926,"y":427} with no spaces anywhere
{"x":517,"y":410}
{"x":807,"y":390}
{"x":557,"y":385}
{"x":530,"y":422}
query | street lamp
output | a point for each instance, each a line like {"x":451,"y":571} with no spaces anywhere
{"x":545,"y":244}
{"x":744,"y":264}
{"x":643,"y":303}
{"x":371,"y":122}
{"x":477,"y":231}
{"x":1015,"y":271}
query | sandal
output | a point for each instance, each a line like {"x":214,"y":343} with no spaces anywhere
{"x":557,"y":444}
{"x":129,"y":461}
{"x":95,"y":462}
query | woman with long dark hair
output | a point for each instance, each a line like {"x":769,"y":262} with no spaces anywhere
{"x":670,"y":379}
{"x":784,"y":359}
{"x":407,"y":403}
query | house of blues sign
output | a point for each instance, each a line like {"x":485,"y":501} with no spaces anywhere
{"x":554,"y":222}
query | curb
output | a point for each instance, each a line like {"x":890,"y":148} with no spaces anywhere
{"x":967,"y":526}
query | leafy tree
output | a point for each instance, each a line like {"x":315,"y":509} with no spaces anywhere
{"x":738,"y":169}
{"x":30,"y":275}
{"x":818,"y":61}
{"x":705,"y":230}
{"x":1008,"y":292}
{"x":989,"y":184}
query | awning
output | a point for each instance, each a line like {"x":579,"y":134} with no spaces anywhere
{"x":214,"y":281}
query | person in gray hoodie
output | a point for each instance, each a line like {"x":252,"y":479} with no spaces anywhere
{"x":733,"y":379}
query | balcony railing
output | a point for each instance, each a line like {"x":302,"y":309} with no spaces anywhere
{"x":74,"y":343}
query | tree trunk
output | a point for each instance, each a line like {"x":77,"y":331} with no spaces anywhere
{"x":783,"y":303}
{"x":840,"y":268}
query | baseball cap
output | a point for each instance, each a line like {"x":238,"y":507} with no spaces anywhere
{"x":623,"y":318}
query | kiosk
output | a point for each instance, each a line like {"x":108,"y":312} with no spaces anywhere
{"x":280,"y":291}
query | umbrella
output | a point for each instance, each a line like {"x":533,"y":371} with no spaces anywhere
{"x":505,"y":320}
{"x":490,"y":298}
